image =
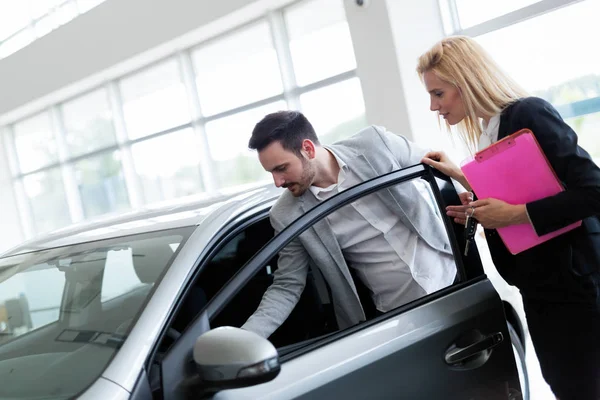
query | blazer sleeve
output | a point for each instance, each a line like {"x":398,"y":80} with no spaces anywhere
{"x":288,"y":283}
{"x":573,"y":166}
{"x":407,"y":153}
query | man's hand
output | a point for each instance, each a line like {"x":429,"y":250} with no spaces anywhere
{"x":458,"y":212}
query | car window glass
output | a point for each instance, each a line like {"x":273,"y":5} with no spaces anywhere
{"x":52,"y":317}
{"x":229,"y":259}
{"x":120,"y":276}
{"x":28,"y":300}
{"x":390,"y":261}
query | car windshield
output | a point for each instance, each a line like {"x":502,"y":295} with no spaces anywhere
{"x":65,"y":312}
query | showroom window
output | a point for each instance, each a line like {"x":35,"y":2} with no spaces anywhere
{"x":154,"y":99}
{"x":180,"y":126}
{"x":543,"y":46}
{"x":247,"y":69}
{"x":88,"y":123}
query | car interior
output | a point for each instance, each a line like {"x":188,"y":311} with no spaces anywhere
{"x":313,"y":316}
{"x":70,"y":353}
{"x":311,"y":321}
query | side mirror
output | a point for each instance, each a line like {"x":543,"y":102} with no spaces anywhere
{"x":229,"y":358}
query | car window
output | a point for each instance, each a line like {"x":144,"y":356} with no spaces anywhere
{"x":63,"y":314}
{"x":119,"y":274}
{"x":389,"y":263}
{"x":229,"y":258}
{"x":315,"y":318}
{"x":30,"y":299}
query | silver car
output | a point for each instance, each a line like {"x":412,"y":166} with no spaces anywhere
{"x":148,"y":305}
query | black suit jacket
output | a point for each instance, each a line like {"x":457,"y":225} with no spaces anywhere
{"x":545,"y":271}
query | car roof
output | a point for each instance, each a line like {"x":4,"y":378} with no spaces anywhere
{"x":188,"y":211}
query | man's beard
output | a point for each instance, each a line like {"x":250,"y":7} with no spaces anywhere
{"x":307,"y":179}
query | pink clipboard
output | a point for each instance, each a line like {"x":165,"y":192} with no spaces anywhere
{"x":516,"y":171}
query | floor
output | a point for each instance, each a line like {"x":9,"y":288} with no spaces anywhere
{"x":539,"y":389}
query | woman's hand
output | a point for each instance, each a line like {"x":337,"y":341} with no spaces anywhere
{"x":440,"y":161}
{"x":459,"y":212}
{"x":494,"y":213}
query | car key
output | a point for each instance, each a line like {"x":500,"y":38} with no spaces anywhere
{"x":470,"y":227}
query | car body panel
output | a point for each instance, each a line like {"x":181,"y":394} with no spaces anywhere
{"x":106,"y":390}
{"x":371,"y":351}
{"x":130,"y":359}
{"x":370,"y":348}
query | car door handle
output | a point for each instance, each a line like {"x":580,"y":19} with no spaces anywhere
{"x":456,"y":356}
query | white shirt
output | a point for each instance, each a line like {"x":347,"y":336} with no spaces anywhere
{"x":489,"y":135}
{"x":392,"y":261}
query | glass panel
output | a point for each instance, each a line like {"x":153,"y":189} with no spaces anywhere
{"x":31,"y":299}
{"x":473,"y":12}
{"x":531,"y":57}
{"x":238,"y":69}
{"x":88,"y":123}
{"x":35,"y":143}
{"x":320,"y":40}
{"x":101,"y":184}
{"x":228,"y":139}
{"x":120,"y":273}
{"x":404,"y":268}
{"x":16,"y":42}
{"x":14,"y":16}
{"x":168,"y":165}
{"x":95,"y":289}
{"x":531,"y":60}
{"x":154,"y":100}
{"x":47,"y":200}
{"x":587,"y":128}
{"x":343,"y":120}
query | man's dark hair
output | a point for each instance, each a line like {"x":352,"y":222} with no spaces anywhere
{"x":290,"y":128}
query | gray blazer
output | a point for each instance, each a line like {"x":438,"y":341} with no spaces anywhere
{"x":370,"y":153}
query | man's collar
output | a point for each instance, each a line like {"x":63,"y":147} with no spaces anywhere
{"x":341,"y":175}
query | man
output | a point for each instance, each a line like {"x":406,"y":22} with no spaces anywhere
{"x":393,"y":238}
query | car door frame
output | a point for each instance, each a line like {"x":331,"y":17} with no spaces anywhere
{"x":181,"y":351}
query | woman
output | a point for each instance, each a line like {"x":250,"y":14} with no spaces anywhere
{"x":559,"y":280}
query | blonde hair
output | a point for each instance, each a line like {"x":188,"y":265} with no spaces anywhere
{"x":484,"y":88}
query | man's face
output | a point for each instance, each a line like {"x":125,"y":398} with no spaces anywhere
{"x":289,"y":170}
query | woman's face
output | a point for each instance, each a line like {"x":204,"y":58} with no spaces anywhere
{"x":445,"y":98}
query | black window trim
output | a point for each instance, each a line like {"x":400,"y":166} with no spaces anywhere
{"x":227,"y":233}
{"x":293,"y":230}
{"x":247,"y":271}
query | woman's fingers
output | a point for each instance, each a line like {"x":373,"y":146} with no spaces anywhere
{"x":461,"y":221}
{"x":457,"y":213}
{"x":434,"y":155}
{"x":457,"y":209}
{"x":465,"y":197}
